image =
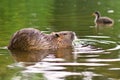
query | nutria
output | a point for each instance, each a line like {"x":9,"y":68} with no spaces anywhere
{"x":33,"y":39}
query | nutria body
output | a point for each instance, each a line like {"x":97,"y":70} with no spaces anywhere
{"x":33,"y":39}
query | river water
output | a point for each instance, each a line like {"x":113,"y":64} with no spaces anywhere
{"x":96,"y":52}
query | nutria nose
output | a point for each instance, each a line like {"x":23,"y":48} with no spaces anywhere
{"x":73,"y":36}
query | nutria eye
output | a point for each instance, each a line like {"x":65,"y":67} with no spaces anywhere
{"x":57,"y":35}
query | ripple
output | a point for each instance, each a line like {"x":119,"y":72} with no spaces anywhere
{"x":80,"y":64}
{"x":114,"y":68}
{"x":88,"y":51}
{"x":94,"y":41}
{"x":97,"y":36}
{"x":5,"y":47}
{"x":42,"y":67}
{"x":88,"y":56}
{"x":94,"y":45}
{"x":102,"y":60}
{"x":60,"y":75}
{"x":20,"y":65}
{"x":51,"y":59}
{"x":115,"y":48}
{"x":73,"y":64}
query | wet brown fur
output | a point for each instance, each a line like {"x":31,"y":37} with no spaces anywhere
{"x":33,"y":39}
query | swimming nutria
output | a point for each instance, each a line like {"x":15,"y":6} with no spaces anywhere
{"x":102,"y":21}
{"x":33,"y":39}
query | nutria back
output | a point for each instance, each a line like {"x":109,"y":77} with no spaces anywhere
{"x":33,"y":39}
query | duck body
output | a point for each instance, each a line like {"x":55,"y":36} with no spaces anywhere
{"x":102,"y":21}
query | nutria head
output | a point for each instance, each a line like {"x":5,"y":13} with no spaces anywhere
{"x":63,"y":39}
{"x":66,"y":35}
{"x":33,"y":39}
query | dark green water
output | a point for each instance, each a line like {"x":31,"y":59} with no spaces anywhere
{"x":98,"y":58}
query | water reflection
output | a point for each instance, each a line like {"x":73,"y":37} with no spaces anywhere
{"x":90,"y":58}
{"x":82,"y":62}
{"x":38,"y":55}
{"x":29,"y":56}
{"x":100,"y":29}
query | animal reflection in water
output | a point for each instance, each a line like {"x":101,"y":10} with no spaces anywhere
{"x":38,"y":55}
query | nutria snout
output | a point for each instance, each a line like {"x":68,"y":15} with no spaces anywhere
{"x":33,"y":39}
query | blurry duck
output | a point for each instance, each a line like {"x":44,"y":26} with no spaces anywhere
{"x":102,"y":21}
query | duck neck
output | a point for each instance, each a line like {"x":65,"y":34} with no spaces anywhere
{"x":97,"y":16}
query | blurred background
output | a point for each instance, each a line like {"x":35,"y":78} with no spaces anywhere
{"x":59,"y":15}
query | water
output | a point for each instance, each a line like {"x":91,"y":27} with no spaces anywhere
{"x":96,"y":53}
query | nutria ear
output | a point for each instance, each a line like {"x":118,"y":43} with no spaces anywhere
{"x":57,"y":35}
